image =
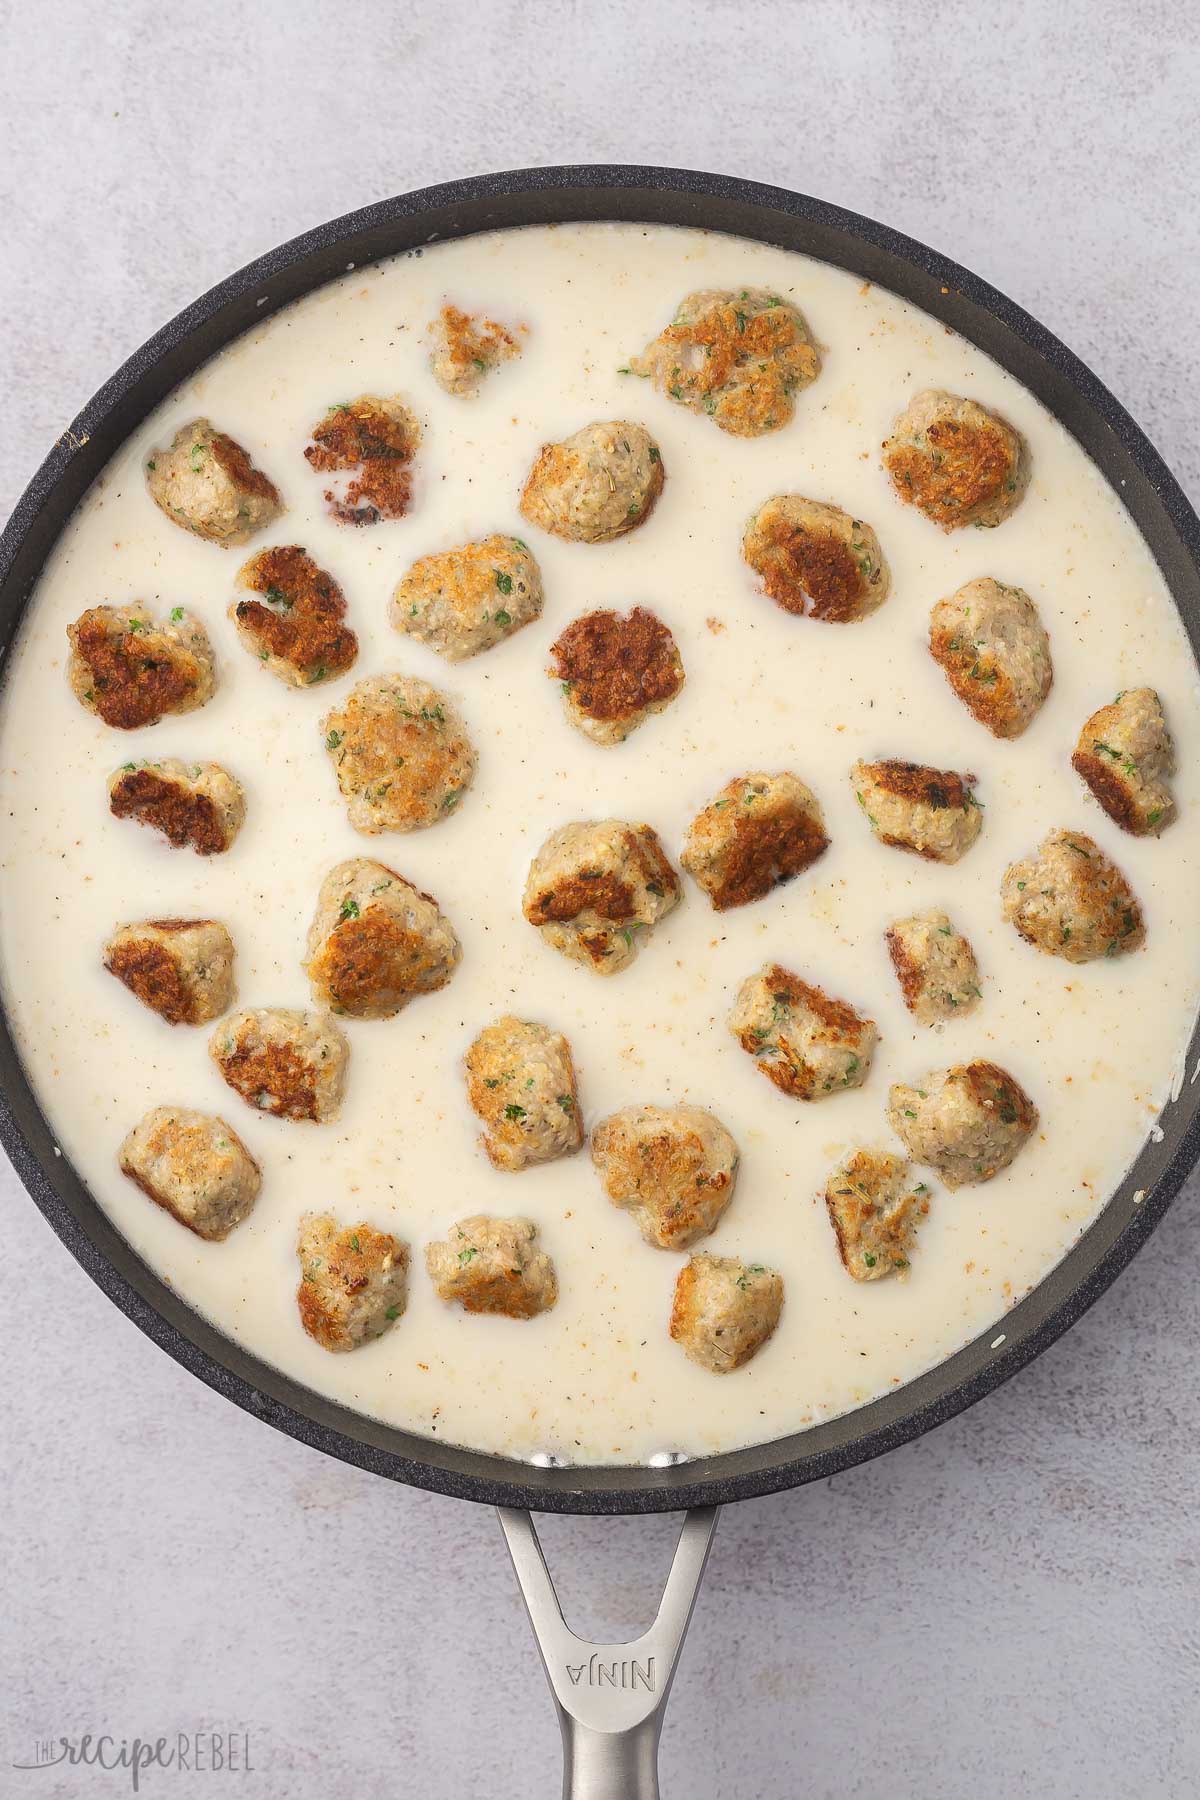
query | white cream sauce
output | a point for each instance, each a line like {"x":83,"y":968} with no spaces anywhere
{"x":597,"y":1379}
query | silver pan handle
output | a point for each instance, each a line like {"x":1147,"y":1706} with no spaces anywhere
{"x":610,"y":1697}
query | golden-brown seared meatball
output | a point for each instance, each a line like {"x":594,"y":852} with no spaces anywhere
{"x":815,"y":559}
{"x":935,"y":966}
{"x":615,"y":671}
{"x":207,"y":483}
{"x":760,"y":830}
{"x":672,"y":1167}
{"x":955,"y":461}
{"x":739,"y":355}
{"x":195,"y":1167}
{"x":298,"y":629}
{"x":521,"y":1083}
{"x":1071,"y":901}
{"x":353,"y":1281}
{"x":596,"y":485}
{"x":182,"y":969}
{"x":592,"y":888}
{"x":994,"y":651}
{"x":401,"y":754}
{"x":724,"y":1310}
{"x":932,"y":812}
{"x":875,"y":1207}
{"x":282,"y":1061}
{"x":132,"y":671}
{"x":1126,"y":755}
{"x":376,"y":942}
{"x":462,"y":601}
{"x":493,"y":1266}
{"x":967,"y":1122}
{"x":196,"y":804}
{"x":464,"y":347}
{"x":366,"y":447}
{"x":809,"y":1045}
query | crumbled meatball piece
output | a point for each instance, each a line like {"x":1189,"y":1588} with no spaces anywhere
{"x":875,"y":1208}
{"x":493,"y":1266}
{"x":759,"y":831}
{"x":131,"y":671}
{"x":815,"y":559}
{"x":935,"y":966}
{"x":592,"y":887}
{"x":353,"y":1281}
{"x":464,"y":347}
{"x":521,"y":1082}
{"x":367,"y":447}
{"x":298,"y":629}
{"x":739,"y":355}
{"x":809,"y":1045}
{"x":967,"y":1122}
{"x":615,"y":671}
{"x":993,"y":648}
{"x":955,"y":461}
{"x":401,"y":754}
{"x":376,"y":942}
{"x":596,"y":485}
{"x":1126,"y":755}
{"x":195,"y":1167}
{"x":932,"y":812}
{"x":283,"y":1061}
{"x":672,"y":1167}
{"x":196,"y":804}
{"x":207,"y":483}
{"x":462,"y":601}
{"x":182,"y":969}
{"x":724,"y":1310}
{"x":1071,"y":901}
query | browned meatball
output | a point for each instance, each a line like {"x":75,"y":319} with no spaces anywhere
{"x":376,"y":942}
{"x":955,"y":461}
{"x":466,"y":347}
{"x":200,"y":805}
{"x":813,"y":558}
{"x":592,"y":888}
{"x":967,"y":1122}
{"x":195,"y":1167}
{"x":615,"y":671}
{"x":282,"y":1061}
{"x":672,"y":1167}
{"x":932,"y":812}
{"x":366,"y":447}
{"x":298,"y":629}
{"x":935,"y":966}
{"x":808,"y":1044}
{"x":597,"y":484}
{"x":353,"y":1281}
{"x":1070,"y":901}
{"x":875,"y":1207}
{"x":738,"y":355}
{"x":724,"y":1310}
{"x":206,"y":483}
{"x":182,"y":969}
{"x":521,"y":1083}
{"x":493,"y":1266}
{"x":759,"y":831}
{"x":1126,"y":755}
{"x":132,"y":671}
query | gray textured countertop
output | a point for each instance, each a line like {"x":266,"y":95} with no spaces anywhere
{"x":1007,"y":1606}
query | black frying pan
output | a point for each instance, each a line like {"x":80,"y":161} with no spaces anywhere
{"x":609,"y":1697}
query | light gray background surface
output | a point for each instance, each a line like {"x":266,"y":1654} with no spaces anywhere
{"x":1009,"y":1606}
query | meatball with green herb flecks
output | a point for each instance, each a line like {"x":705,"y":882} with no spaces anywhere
{"x":815,"y":559}
{"x":724,"y":1310}
{"x":200,"y":805}
{"x":673,"y":1168}
{"x":463,"y":601}
{"x":1126,"y":755}
{"x":401,"y":754}
{"x":206,"y":483}
{"x":195,"y":1167}
{"x":353,"y":1281}
{"x":737,"y":355}
{"x":809,"y":1045}
{"x":595,"y":485}
{"x":283,"y":1061}
{"x":366,"y":448}
{"x":1070,"y":900}
{"x":935,"y":966}
{"x":296,"y":623}
{"x":182,"y":969}
{"x":875,"y":1206}
{"x":131,"y":671}
{"x":993,"y":649}
{"x":615,"y":671}
{"x":464,"y":348}
{"x":488,"y":1265}
{"x":967,"y":1122}
{"x":594,"y":889}
{"x":955,"y":461}
{"x":760,"y":830}
{"x":521,"y":1084}
{"x":376,"y":942}
{"x":932,"y":812}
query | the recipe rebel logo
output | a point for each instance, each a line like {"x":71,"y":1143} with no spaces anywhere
{"x":196,"y":1752}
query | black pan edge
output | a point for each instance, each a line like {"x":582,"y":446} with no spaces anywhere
{"x":667,"y":196}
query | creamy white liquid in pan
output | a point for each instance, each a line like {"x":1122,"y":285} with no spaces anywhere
{"x":597,"y":1379}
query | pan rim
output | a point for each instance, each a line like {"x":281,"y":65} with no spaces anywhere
{"x":950,"y":1386}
